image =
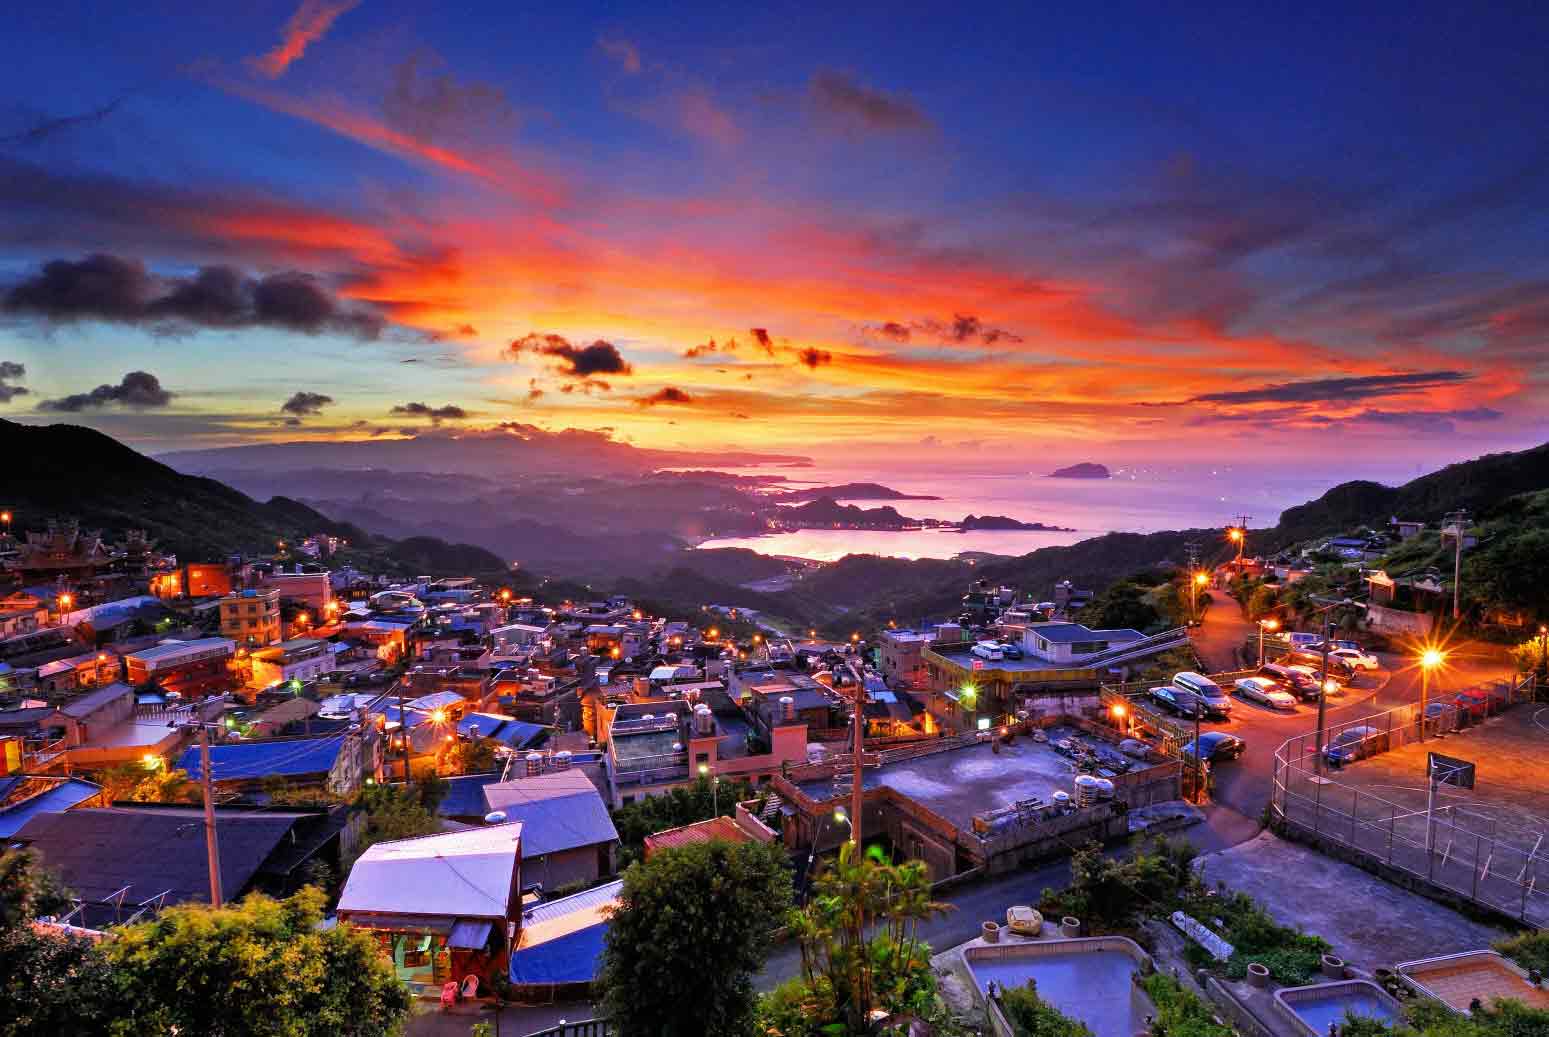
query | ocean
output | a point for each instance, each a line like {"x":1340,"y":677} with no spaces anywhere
{"x":1141,"y":499}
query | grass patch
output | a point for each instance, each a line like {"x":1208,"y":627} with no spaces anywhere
{"x":1179,"y":1011}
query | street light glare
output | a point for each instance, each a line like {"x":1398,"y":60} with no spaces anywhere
{"x":1200,"y":579}
{"x":1431,"y":658}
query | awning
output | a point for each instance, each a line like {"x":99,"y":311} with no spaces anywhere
{"x":469,"y":934}
{"x":439,"y":924}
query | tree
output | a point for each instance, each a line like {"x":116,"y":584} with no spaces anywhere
{"x":257,"y":968}
{"x":50,"y":981}
{"x":471,"y":757}
{"x":673,"y":809}
{"x":1122,"y":605}
{"x":689,"y":934}
{"x":397,"y":812}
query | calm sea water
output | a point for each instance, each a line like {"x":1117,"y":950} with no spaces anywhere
{"x":1139,"y":500}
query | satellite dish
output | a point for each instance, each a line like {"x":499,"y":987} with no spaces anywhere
{"x":495,"y":817}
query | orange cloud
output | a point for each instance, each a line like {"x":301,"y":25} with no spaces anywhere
{"x":308,"y":25}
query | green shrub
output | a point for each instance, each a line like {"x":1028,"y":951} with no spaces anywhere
{"x":1032,"y":1016}
{"x":1529,"y":950}
{"x":1179,"y":1011}
{"x":1292,"y":956}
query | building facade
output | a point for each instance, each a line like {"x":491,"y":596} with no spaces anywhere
{"x":251,"y":617}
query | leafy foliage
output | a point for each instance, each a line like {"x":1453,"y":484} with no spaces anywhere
{"x":1424,"y":1017}
{"x":845,"y":970}
{"x":260,"y":967}
{"x":1111,"y":895}
{"x":1179,"y":1011}
{"x":678,"y":807}
{"x":1292,"y":956}
{"x":396,"y":812}
{"x":49,"y":982}
{"x":1124,"y":604}
{"x":1528,"y":949}
{"x":470,"y":757}
{"x":1032,"y":1016}
{"x":691,"y":930}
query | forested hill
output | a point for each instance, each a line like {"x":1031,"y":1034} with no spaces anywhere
{"x":72,"y":472}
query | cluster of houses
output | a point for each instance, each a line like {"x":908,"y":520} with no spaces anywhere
{"x":281,"y":689}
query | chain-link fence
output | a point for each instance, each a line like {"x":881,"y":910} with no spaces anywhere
{"x":1497,"y":864}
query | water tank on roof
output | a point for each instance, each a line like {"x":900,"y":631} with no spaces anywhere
{"x":1061,"y":799}
{"x":495,"y":817}
{"x":648,"y":716}
{"x":1086,"y":790}
{"x":562,"y":761}
{"x":788,"y":709}
{"x":704,"y":721}
{"x":534,"y":764}
{"x":1104,"y":788}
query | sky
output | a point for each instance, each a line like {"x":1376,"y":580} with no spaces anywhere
{"x":1256,"y":232}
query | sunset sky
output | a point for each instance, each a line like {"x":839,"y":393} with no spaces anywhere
{"x":1070,"y":231}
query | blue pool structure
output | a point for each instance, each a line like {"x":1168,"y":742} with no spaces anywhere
{"x":1315,"y":1007}
{"x":1088,"y":979}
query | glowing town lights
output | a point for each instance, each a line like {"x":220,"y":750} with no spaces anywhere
{"x":505,"y":595}
{"x":66,"y":600}
{"x":438,"y":716}
{"x":1234,"y":535}
{"x":854,"y":638}
{"x":1200,"y":579}
{"x":1270,"y":624}
{"x":150,"y":761}
{"x":1118,"y":711}
{"x":714,"y":633}
{"x":1330,"y":686}
{"x":1432,"y":658}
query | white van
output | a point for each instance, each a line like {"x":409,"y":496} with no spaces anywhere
{"x":1299,"y":639}
{"x":1210,"y":694}
{"x":990,"y":650}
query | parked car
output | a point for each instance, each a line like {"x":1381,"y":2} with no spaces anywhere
{"x":1472,"y":702}
{"x":1011,"y":651}
{"x":1265,"y":692}
{"x":1298,"y":639}
{"x":1293,"y":679}
{"x":1354,"y":743}
{"x":1215,"y":746}
{"x":989,"y":650}
{"x":1210,"y":694}
{"x":1338,"y":668}
{"x":1356,"y":658}
{"x":1175,"y":700}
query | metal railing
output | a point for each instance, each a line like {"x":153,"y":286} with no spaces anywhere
{"x":1493,"y":863}
{"x":579,"y":1028}
{"x":1153,"y":645}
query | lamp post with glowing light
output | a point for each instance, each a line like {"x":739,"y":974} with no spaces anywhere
{"x":1120,"y":715}
{"x":1430,"y":658}
{"x":1543,"y":652}
{"x":715,"y":789}
{"x":5,"y":520}
{"x":1239,"y":536}
{"x":1199,"y":581}
{"x":1265,"y":624}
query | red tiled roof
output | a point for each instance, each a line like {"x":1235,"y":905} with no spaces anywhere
{"x":699,"y":832}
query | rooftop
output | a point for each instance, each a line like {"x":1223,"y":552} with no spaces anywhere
{"x":467,"y":873}
{"x":238,"y":761}
{"x":92,"y":701}
{"x":1062,"y":633}
{"x":562,"y":940}
{"x":173,"y":649}
{"x":24,"y":796}
{"x":699,"y":832}
{"x":560,"y":810}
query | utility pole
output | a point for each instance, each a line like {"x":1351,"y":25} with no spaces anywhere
{"x":403,"y":736}
{"x":1456,"y":520}
{"x":1193,"y":550}
{"x":1199,"y":788}
{"x":857,"y":797}
{"x":1239,"y":534}
{"x":212,"y":852}
{"x":1328,"y":615}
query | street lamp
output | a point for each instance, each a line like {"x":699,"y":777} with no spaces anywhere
{"x":1430,"y":658}
{"x":1199,"y":580}
{"x":1119,"y":714}
{"x":715,"y":788}
{"x":1265,"y":624}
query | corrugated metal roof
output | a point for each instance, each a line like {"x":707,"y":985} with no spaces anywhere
{"x":467,"y":874}
{"x":587,"y":900}
{"x":562,"y":810}
{"x":239,"y":761}
{"x":62,"y":795}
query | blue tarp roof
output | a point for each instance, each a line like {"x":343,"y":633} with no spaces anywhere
{"x":61,"y":797}
{"x":573,"y":958}
{"x":244,"y":760}
{"x":517,"y":734}
{"x":465,"y":795}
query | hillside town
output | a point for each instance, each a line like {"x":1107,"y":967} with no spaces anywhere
{"x":470,"y":777}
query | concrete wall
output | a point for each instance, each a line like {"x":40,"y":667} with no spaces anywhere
{"x":582,"y":864}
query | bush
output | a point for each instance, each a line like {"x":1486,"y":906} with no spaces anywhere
{"x":1292,"y":956}
{"x":1529,"y":950}
{"x":1179,"y":1011}
{"x":1110,"y":895}
{"x":1032,"y":1016}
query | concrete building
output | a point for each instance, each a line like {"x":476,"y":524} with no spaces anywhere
{"x":251,"y":617}
{"x":303,"y":659}
{"x":190,"y":668}
{"x":902,"y":656}
{"x":309,"y":590}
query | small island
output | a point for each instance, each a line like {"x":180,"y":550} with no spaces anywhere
{"x":848,"y":491}
{"x":1085,"y":470}
{"x":827,"y":513}
{"x":972,"y":522}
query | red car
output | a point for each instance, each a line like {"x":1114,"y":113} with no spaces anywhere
{"x":1473,"y":703}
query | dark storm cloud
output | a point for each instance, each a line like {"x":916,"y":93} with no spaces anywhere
{"x":10,"y":369}
{"x":815,"y":358}
{"x":303,"y":404}
{"x":839,"y":96}
{"x":140,"y":390}
{"x":576,"y":361}
{"x":670,"y":394}
{"x":1331,"y":389}
{"x":111,"y":288}
{"x":450,"y":412}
